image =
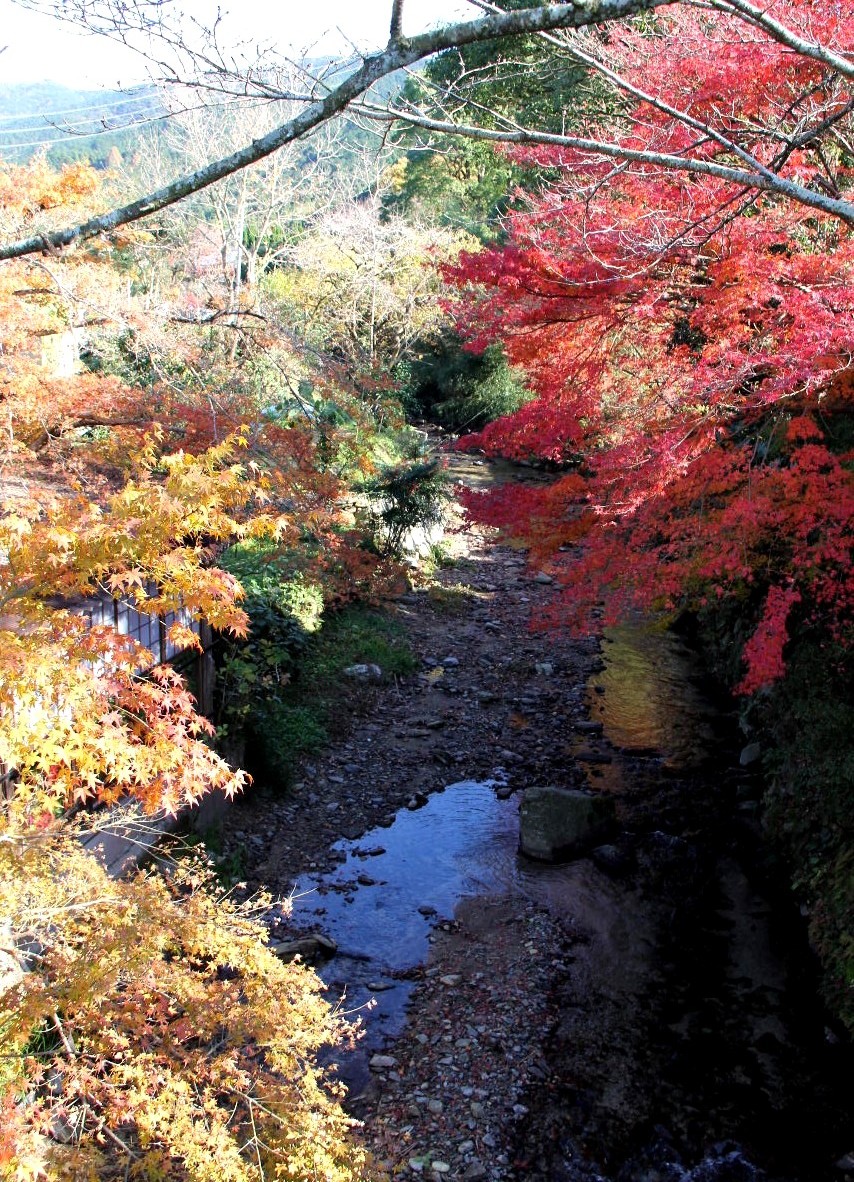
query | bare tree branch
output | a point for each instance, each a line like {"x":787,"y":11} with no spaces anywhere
{"x":784,"y":35}
{"x":761,"y":179}
{"x":577,"y":14}
{"x":395,"y":32}
{"x":496,"y":23}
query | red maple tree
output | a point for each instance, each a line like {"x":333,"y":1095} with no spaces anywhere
{"x":688,"y":340}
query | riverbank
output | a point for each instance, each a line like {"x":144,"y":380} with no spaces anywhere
{"x":626,"y":1015}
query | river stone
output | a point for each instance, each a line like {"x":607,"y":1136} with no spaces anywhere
{"x":314,"y":947}
{"x":750,"y":754}
{"x":612,"y":859}
{"x":364,"y":672}
{"x":556,"y":824}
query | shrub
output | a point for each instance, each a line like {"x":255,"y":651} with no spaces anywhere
{"x":403,"y":499}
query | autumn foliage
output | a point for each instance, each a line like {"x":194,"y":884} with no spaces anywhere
{"x":689,"y":342}
{"x":150,"y":1033}
{"x":147,"y":1030}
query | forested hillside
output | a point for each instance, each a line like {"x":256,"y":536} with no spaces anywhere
{"x":66,"y":125}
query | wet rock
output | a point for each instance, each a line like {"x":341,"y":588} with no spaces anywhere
{"x":314,"y":947}
{"x":591,"y":755}
{"x":556,"y":824}
{"x":612,"y":860}
{"x":382,"y":1062}
{"x":588,"y":728}
{"x":750,"y":754}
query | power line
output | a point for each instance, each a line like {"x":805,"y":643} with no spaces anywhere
{"x":61,"y":112}
{"x":93,"y":121}
{"x":66,"y":128}
{"x":60,"y":140}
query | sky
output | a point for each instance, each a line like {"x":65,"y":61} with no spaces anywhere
{"x":40,"y":48}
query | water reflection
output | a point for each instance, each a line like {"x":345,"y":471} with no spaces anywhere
{"x":649,"y":696}
{"x":379,"y":906}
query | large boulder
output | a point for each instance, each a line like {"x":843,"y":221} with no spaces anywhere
{"x":556,"y":824}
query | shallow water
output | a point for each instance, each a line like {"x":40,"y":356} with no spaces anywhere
{"x":650,"y":696}
{"x":461,"y":842}
{"x":734,"y":1028}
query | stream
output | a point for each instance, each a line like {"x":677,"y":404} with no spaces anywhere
{"x":688,"y":1044}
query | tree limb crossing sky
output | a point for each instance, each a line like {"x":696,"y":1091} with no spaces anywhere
{"x":39,"y":47}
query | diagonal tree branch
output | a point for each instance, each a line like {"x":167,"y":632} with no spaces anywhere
{"x":397,"y":55}
{"x":497,"y":23}
{"x":760,"y":178}
{"x":784,"y":35}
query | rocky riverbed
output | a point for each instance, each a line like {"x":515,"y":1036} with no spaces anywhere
{"x":627,"y":1017}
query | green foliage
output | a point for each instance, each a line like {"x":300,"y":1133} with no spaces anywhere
{"x":468,"y":184}
{"x":284,"y":609}
{"x":467,"y":187}
{"x":274,"y":586}
{"x":513,"y":78}
{"x":283,"y":733}
{"x":810,"y":804}
{"x":437,"y":557}
{"x":296,"y":721}
{"x":464,"y":391}
{"x":281,"y":688}
{"x":356,"y":635}
{"x":403,"y":499}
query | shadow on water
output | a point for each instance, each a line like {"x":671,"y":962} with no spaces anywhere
{"x":686,"y":1025}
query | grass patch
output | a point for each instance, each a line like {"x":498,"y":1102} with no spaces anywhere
{"x":296,"y":721}
{"x":454,"y":600}
{"x":354,"y":636}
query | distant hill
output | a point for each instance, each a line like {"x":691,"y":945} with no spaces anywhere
{"x":69,"y":125}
